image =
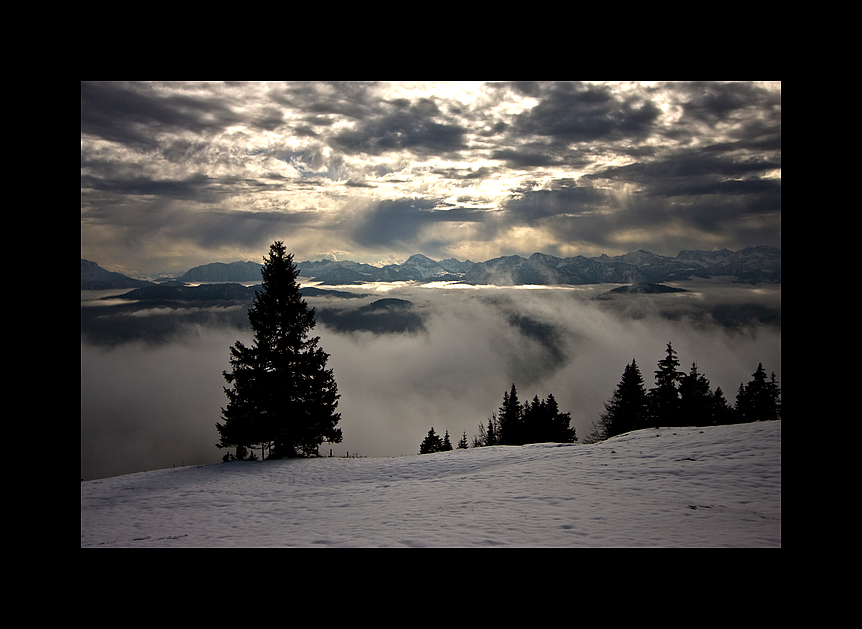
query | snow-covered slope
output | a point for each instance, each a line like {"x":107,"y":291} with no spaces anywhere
{"x":671,"y":487}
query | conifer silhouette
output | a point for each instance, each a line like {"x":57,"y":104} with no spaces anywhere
{"x":627,"y":409}
{"x":760,"y":399}
{"x":432,"y":443}
{"x":664,"y":398}
{"x":282,"y":396}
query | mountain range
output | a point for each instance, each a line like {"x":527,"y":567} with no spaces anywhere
{"x":749,"y":265}
{"x":94,"y":277}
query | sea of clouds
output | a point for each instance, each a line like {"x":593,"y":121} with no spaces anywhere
{"x":152,"y":393}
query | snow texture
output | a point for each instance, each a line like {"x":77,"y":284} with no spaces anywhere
{"x":669,"y":487}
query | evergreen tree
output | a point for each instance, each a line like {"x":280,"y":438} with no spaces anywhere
{"x":489,"y":436}
{"x":542,"y":422}
{"x":463,"y":445}
{"x":760,"y":399}
{"x":282,"y":396}
{"x":737,"y":406}
{"x":559,"y":428}
{"x":533,"y":421}
{"x":510,"y":417}
{"x":664,"y":398}
{"x":721,"y":411}
{"x":695,"y":399}
{"x":627,"y":409}
{"x":446,"y":446}
{"x":774,"y":393}
{"x":432,"y":443}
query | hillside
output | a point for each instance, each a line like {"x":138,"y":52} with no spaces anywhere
{"x":94,"y":277}
{"x":680,"y":487}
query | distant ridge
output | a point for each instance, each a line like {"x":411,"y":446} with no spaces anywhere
{"x":639,"y":289}
{"x":645,"y":289}
{"x":751,"y":265}
{"x":94,"y":277}
{"x":221,"y":272}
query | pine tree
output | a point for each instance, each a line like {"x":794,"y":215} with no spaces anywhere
{"x":695,"y":399}
{"x":627,"y":409}
{"x":760,"y":399}
{"x":282,"y":396}
{"x":533,"y":421}
{"x":737,"y":406}
{"x":463,"y":445}
{"x":558,"y":428}
{"x":510,"y":416}
{"x":432,"y":443}
{"x":446,"y":446}
{"x":664,"y":398}
{"x":721,"y":412}
{"x":774,"y":392}
{"x":489,"y":436}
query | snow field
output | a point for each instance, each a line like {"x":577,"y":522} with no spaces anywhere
{"x":669,"y":487}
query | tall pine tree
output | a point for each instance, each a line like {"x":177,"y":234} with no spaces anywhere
{"x":510,"y":417}
{"x":664,"y":398}
{"x":627,"y":409}
{"x":282,"y":395}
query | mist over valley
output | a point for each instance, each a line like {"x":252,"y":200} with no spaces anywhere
{"x":407,"y":355}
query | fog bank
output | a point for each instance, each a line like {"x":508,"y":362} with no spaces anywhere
{"x":147,"y":405}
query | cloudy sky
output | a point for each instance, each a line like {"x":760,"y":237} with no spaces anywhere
{"x":179,"y":174}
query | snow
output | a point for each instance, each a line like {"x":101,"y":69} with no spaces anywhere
{"x":668,"y":487}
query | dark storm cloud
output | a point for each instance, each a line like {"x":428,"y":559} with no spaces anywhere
{"x":133,"y":113}
{"x":714,"y":102}
{"x":677,"y":173}
{"x":570,"y":124}
{"x":403,"y":125}
{"x":166,"y":219}
{"x":196,"y":187}
{"x":397,"y":223}
{"x":526,"y":157}
{"x":324,"y":100}
{"x":574,"y":112}
{"x":597,"y":215}
{"x":566,"y":198}
{"x":715,"y":192}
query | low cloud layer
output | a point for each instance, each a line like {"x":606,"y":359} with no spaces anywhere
{"x":179,"y":174}
{"x":444,"y":360}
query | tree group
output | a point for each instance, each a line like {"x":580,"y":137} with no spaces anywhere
{"x":433,"y":443}
{"x":538,"y":421}
{"x":680,"y":399}
{"x":282,"y":397}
